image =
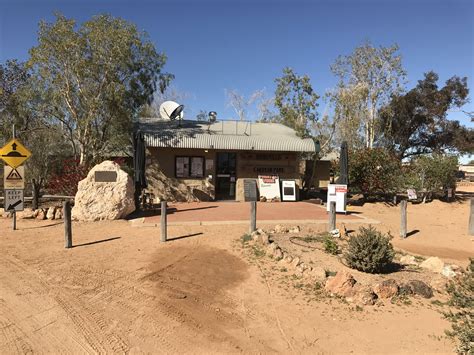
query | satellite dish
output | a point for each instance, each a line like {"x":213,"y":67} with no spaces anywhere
{"x":212,"y":116}
{"x":170,"y":110}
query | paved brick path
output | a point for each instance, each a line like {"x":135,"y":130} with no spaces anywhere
{"x":240,"y":211}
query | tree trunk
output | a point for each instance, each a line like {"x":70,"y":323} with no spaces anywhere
{"x":36,"y":192}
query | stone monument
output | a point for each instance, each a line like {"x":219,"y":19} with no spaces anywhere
{"x":106,"y":193}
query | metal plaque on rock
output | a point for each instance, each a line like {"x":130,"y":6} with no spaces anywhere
{"x":105,"y":176}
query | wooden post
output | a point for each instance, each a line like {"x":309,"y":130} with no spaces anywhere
{"x":253,"y":216}
{"x":34,"y":201}
{"x":403,"y":218}
{"x":471,"y":218}
{"x":14,"y":220}
{"x":332,"y":215}
{"x":163,"y":222}
{"x":67,"y":224}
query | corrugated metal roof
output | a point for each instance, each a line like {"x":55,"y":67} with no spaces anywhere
{"x":226,"y":135}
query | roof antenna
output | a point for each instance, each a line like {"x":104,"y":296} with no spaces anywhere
{"x":170,"y":110}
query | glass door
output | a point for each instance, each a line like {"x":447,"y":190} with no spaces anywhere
{"x":226,"y":175}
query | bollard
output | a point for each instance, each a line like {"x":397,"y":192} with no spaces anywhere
{"x":403,"y":218}
{"x":253,"y":216}
{"x":67,"y":224}
{"x":332,"y":216}
{"x":471,"y":218}
{"x":163,"y":222}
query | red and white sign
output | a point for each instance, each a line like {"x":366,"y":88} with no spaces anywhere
{"x":341,"y":188}
{"x":269,"y":186}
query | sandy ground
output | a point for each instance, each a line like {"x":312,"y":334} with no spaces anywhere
{"x":119,"y":290}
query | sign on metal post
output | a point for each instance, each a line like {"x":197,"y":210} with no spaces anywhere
{"x":14,"y":200}
{"x":14,"y":153}
{"x":14,"y":178}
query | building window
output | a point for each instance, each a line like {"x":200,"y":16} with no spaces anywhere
{"x":189,"y":167}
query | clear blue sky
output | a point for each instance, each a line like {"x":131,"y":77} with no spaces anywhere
{"x":244,"y":45}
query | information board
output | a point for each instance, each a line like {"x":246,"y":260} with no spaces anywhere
{"x":269,"y":186}
{"x":250,"y":190}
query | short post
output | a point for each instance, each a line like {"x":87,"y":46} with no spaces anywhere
{"x":14,"y":220}
{"x":332,"y":215}
{"x":403,"y":218}
{"x":449,"y":194}
{"x":471,"y":218}
{"x":253,"y":216}
{"x":163,"y":222}
{"x":34,"y":201}
{"x":67,"y":224}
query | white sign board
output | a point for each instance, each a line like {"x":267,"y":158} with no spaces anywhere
{"x":269,"y":186}
{"x":288,"y":190}
{"x":14,"y":178}
{"x":337,"y":193}
{"x":411,"y":194}
{"x":13,"y":200}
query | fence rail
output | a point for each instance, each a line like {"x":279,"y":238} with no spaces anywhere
{"x":47,"y":197}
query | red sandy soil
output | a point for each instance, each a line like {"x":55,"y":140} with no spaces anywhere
{"x":121,"y":290}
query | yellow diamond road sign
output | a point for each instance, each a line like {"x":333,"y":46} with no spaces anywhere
{"x":14,"y":153}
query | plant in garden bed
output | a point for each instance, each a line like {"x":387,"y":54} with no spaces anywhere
{"x":330,"y":245}
{"x":369,"y":251}
{"x":461,"y":291}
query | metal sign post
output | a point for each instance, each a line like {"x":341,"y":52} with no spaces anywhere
{"x":14,"y":154}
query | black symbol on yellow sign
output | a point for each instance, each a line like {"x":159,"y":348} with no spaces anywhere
{"x":14,"y":153}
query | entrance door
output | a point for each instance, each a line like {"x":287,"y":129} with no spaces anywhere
{"x":226,"y":175}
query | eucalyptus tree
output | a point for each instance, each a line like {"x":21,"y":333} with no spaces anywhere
{"x":416,"y":122}
{"x":94,"y":78}
{"x":367,"y":79}
{"x":296,"y":101}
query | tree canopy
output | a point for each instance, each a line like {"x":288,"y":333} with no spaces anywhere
{"x":297,"y":101}
{"x":416,"y":122}
{"x":93,"y":79}
{"x":367,"y":79}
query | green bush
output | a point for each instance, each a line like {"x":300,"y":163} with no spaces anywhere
{"x":369,"y":251}
{"x":433,"y":172}
{"x":374,"y":171}
{"x":462,"y":319}
{"x":330,"y":245}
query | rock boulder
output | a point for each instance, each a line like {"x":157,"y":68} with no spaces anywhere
{"x":386,"y":289}
{"x":433,"y":263}
{"x":98,"y":200}
{"x":342,"y":284}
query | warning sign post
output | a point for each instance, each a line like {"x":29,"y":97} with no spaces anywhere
{"x":14,"y":178}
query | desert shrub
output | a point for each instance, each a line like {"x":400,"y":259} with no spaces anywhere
{"x":369,"y":251}
{"x":330,"y":245}
{"x":462,"y":318}
{"x":433,"y":172}
{"x":373,"y":171}
{"x":66,"y":179}
{"x":246,"y":238}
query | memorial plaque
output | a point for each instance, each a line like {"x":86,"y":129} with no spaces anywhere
{"x":105,"y":176}
{"x":250,"y":190}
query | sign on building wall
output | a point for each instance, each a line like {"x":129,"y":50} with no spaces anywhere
{"x":269,"y":186}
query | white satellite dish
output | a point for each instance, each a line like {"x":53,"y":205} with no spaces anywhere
{"x":170,"y":110}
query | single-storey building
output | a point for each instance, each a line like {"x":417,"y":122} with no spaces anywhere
{"x":198,"y":160}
